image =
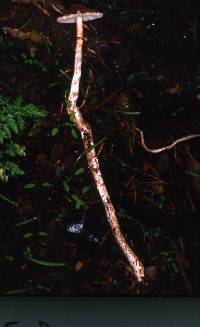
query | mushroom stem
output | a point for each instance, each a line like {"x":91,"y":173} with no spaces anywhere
{"x":87,"y":138}
{"x":74,"y":91}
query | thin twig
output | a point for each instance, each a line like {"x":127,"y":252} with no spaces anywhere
{"x":167,"y":147}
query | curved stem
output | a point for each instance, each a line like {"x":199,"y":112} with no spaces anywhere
{"x":166,"y":147}
{"x":93,"y":163}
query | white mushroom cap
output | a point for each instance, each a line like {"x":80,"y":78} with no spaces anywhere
{"x":71,"y":18}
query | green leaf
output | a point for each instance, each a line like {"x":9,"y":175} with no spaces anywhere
{"x":72,"y":116}
{"x":40,"y":287}
{"x":27,"y":235}
{"x":100,"y":141}
{"x":14,"y":115}
{"x":74,"y":133}
{"x":79,"y":171}
{"x":15,"y":292}
{"x":14,"y":149}
{"x":3,"y":197}
{"x":23,"y":55}
{"x":30,"y":185}
{"x":46,"y":263}
{"x":9,"y":168}
{"x":68,"y":103}
{"x":25,"y":222}
{"x":3,"y":176}
{"x":46,"y":184}
{"x":164,"y":253}
{"x":66,"y":186}
{"x":85,"y":189}
{"x":130,"y":113}
{"x":32,"y":52}
{"x":43,"y":234}
{"x":192,"y":173}
{"x":28,"y":252}
{"x":55,"y":131}
{"x":9,"y":257}
{"x":78,"y":202}
{"x":134,"y":76}
{"x":174,"y":266}
{"x":131,"y":77}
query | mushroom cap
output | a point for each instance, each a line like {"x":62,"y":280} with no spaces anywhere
{"x":86,"y":16}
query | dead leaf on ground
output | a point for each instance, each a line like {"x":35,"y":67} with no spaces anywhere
{"x":33,"y":36}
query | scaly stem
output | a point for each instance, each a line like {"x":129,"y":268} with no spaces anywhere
{"x":93,"y":163}
{"x":74,"y":92}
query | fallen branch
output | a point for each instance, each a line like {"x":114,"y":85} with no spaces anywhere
{"x":87,"y":138}
{"x":167,"y":147}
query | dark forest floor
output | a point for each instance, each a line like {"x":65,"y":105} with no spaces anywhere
{"x":140,"y":69}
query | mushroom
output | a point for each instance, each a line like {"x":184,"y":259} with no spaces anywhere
{"x":78,"y":15}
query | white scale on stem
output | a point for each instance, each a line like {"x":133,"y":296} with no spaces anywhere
{"x":87,"y":138}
